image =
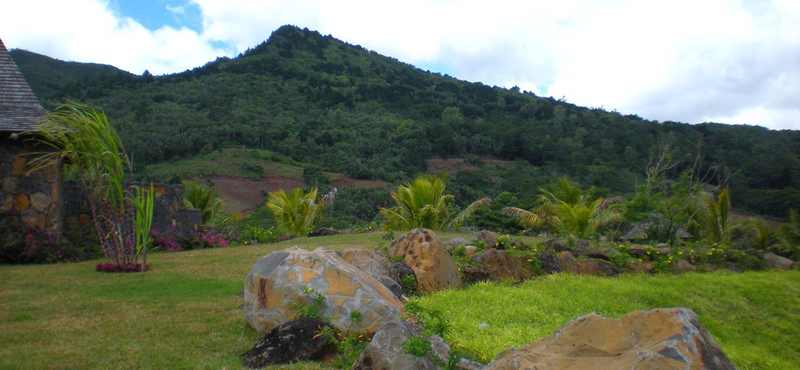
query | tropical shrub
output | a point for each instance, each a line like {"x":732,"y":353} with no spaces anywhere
{"x":298,"y":212}
{"x":201,"y":197}
{"x":423,"y":203}
{"x":28,"y":245}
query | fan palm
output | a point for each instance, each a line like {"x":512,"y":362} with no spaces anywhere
{"x":423,"y":203}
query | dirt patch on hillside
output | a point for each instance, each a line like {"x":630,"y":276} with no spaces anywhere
{"x":343,"y":182}
{"x":455,"y":165}
{"x":244,"y":195}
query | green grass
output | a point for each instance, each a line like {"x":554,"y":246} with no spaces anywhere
{"x":184,"y":314}
{"x":250,"y":163}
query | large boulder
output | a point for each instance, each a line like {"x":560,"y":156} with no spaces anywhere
{"x":777,"y":262}
{"x":375,"y":264}
{"x":434,"y":268}
{"x":293,"y":341}
{"x":282,"y":279}
{"x":500,"y":265}
{"x":663,"y":339}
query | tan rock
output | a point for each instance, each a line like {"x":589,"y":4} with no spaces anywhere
{"x":640,"y":267}
{"x":664,"y":339}
{"x":424,"y":253}
{"x":500,"y":265}
{"x":18,"y":166}
{"x":568,"y":262}
{"x":40,"y":202}
{"x":284,"y":278}
{"x":683,"y":266}
{"x":21,"y":202}
{"x":777,"y":262}
{"x":375,"y":264}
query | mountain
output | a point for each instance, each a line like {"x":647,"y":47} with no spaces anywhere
{"x":339,"y":107}
{"x":50,"y":77}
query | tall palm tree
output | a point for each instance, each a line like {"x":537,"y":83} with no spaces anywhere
{"x":423,"y":203}
{"x":298,"y":212}
{"x":204,"y":198}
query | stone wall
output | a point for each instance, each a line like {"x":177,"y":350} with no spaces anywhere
{"x":28,"y":198}
{"x":168,"y":209}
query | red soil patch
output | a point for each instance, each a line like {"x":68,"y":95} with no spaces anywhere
{"x":243,"y":195}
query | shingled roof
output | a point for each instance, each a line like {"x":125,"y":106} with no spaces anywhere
{"x":19,"y":109}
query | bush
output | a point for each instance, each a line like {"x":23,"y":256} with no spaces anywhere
{"x":30,"y":245}
{"x":166,"y":240}
{"x":208,"y":238}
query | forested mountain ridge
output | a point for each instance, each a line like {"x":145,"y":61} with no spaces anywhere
{"x":319,"y":100}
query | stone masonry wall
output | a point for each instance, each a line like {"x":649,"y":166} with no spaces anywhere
{"x":28,"y":198}
{"x":168,"y":209}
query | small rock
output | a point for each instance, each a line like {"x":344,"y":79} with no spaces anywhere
{"x":683,"y":266}
{"x":471,"y":274}
{"x":568,"y":262}
{"x":323,"y":231}
{"x":640,"y":267}
{"x":777,"y":262}
{"x":452,"y":244}
{"x":289,"y":342}
{"x":488,"y":237}
{"x":550,"y":263}
{"x":385,"y":351}
{"x":470,"y":250}
{"x":500,"y":265}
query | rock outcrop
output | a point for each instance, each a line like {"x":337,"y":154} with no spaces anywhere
{"x":282,"y":279}
{"x":434,"y":268}
{"x":663,"y":339}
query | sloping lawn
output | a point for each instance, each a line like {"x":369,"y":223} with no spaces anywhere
{"x":185,"y":313}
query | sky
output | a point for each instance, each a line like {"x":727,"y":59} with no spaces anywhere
{"x":692,"y":61}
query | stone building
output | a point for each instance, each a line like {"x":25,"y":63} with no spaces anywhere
{"x":26,"y":198}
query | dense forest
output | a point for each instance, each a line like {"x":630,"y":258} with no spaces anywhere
{"x":341,"y":108}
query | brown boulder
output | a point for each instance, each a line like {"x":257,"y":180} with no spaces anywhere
{"x":640,"y":267}
{"x":281,"y":279}
{"x":663,"y":339}
{"x":500,"y":265}
{"x":683,"y":266}
{"x":434,"y":268}
{"x":777,"y":262}
{"x":568,"y":262}
{"x":471,"y":274}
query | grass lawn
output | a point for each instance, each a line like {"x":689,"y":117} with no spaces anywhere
{"x":184,"y":313}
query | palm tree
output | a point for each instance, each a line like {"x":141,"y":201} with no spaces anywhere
{"x":568,"y":209}
{"x":717,"y":212}
{"x":298,"y":212}
{"x":204,"y":198}
{"x":423,"y":203}
{"x":789,"y":235}
{"x":762,"y":236}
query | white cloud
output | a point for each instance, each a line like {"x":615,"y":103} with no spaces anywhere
{"x":734,"y":61}
{"x":89,"y":31}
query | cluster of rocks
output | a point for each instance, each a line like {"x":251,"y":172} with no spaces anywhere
{"x":367,"y":282}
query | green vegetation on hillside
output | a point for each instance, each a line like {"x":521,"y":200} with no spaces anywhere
{"x":320,"y":101}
